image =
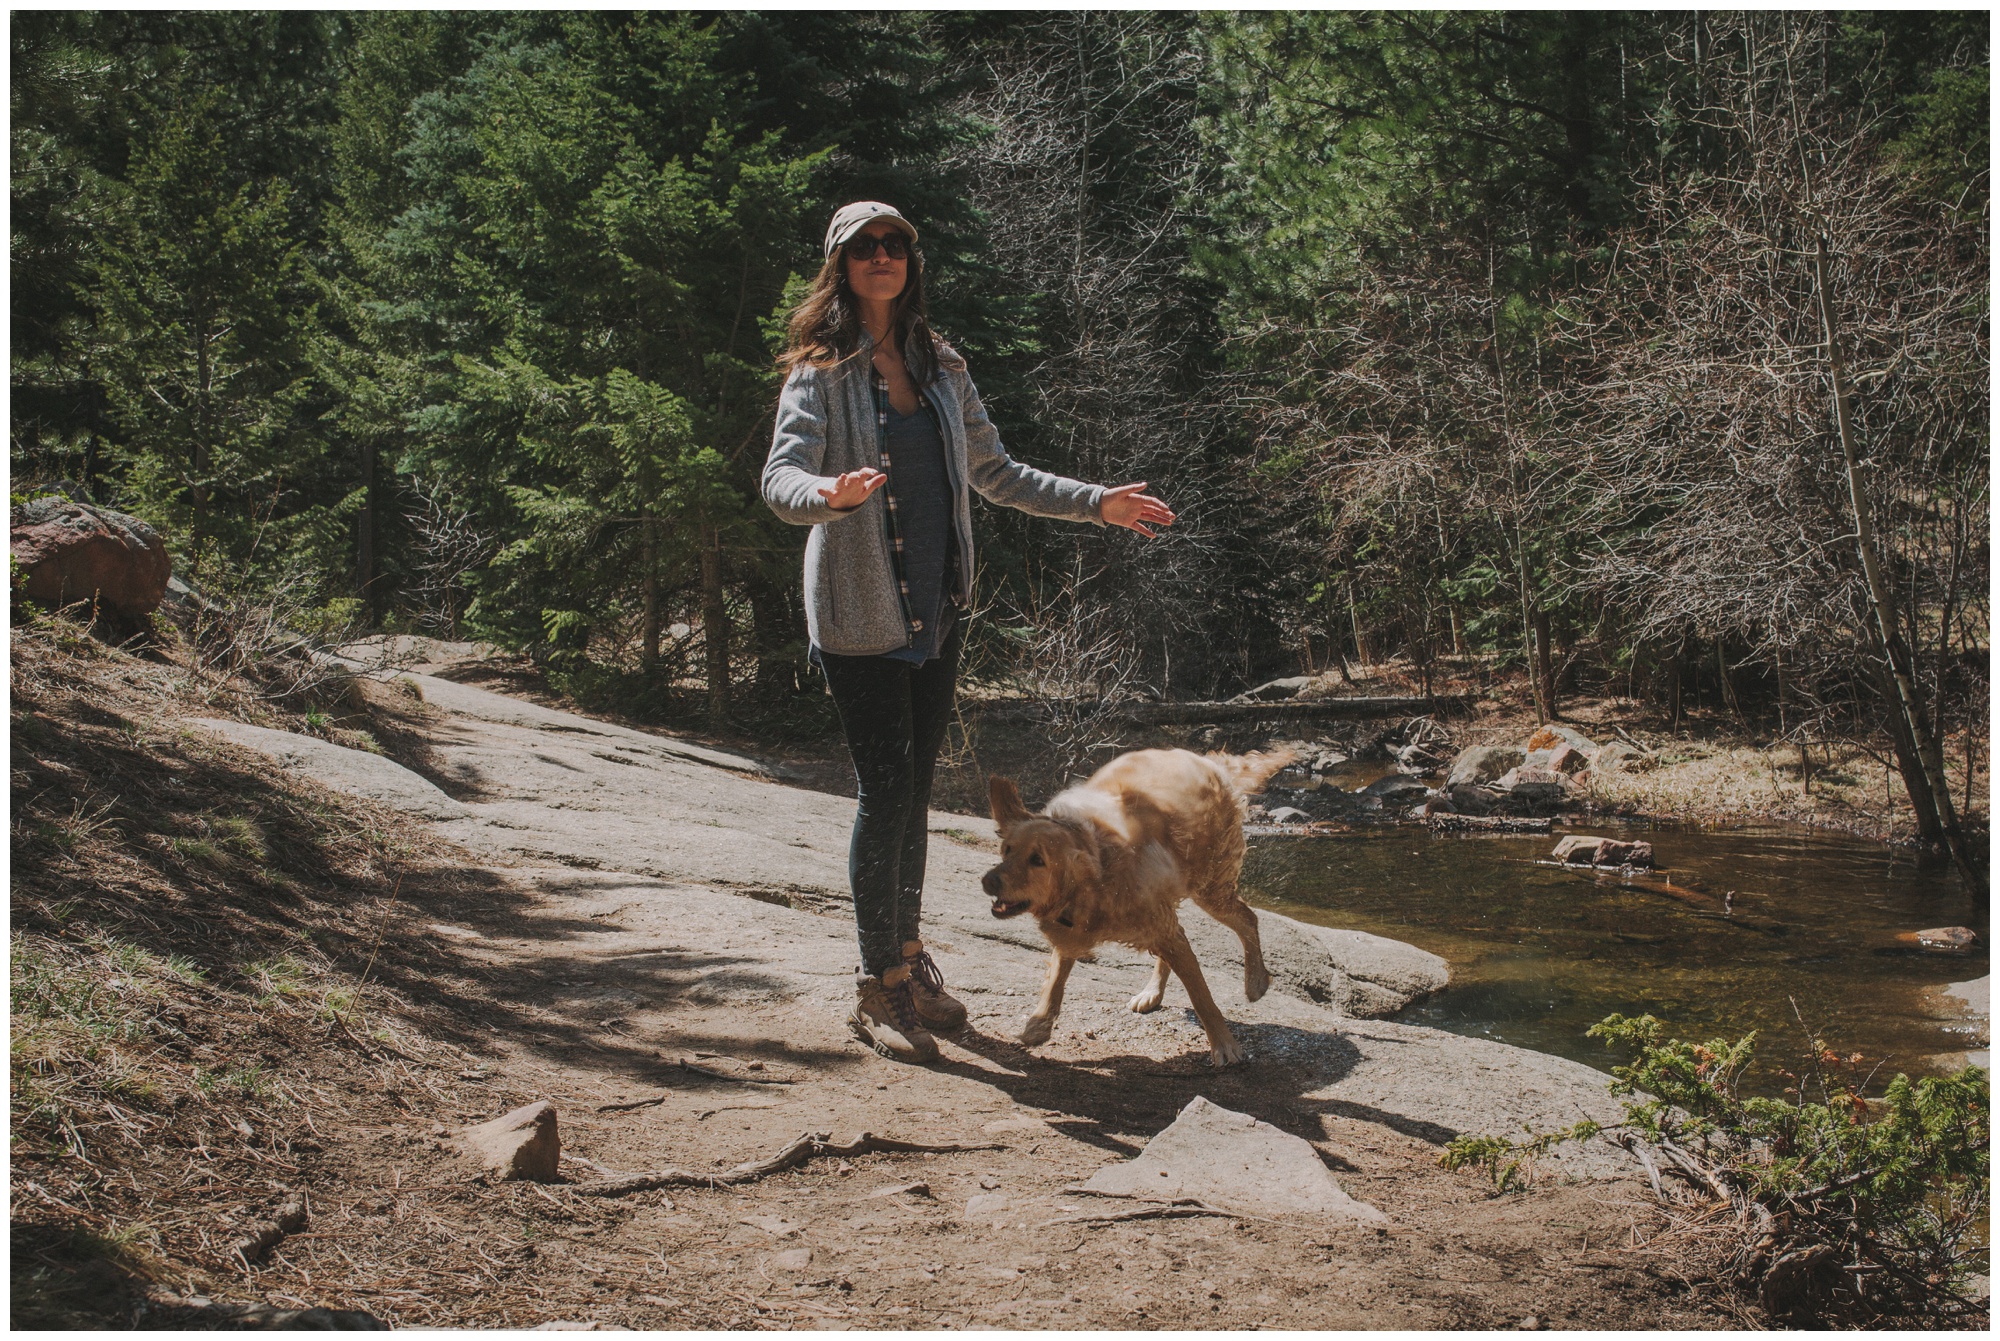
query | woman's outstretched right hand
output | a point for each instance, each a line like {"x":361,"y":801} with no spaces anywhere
{"x":851,"y":490}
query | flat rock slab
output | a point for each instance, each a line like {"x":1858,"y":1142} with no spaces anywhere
{"x":356,"y":772}
{"x":1235,"y":1162}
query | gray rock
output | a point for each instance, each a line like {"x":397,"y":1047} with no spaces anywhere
{"x":1555,"y":733}
{"x":1580,"y":849}
{"x":1235,"y":1162}
{"x":1289,"y":815}
{"x":1537,"y":758}
{"x":520,"y":1145}
{"x":1533,"y":784}
{"x":356,"y":772}
{"x":1467,"y":799}
{"x":1619,"y":756}
{"x":1396,"y":787}
{"x":1566,"y":758}
{"x":1482,"y":763}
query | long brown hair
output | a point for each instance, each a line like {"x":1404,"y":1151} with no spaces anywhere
{"x":826,"y":328}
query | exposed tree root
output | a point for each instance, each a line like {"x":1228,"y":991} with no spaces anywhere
{"x":808,"y":1145}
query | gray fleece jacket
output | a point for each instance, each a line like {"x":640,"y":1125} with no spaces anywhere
{"x":827,"y":425}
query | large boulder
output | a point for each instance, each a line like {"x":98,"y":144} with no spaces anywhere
{"x":1482,"y":763}
{"x":70,"y":551}
{"x":1555,"y":733}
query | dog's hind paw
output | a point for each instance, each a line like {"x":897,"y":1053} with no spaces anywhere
{"x":1146,"y":1002}
{"x":1035,"y":1031}
{"x":1256,"y":982}
{"x":1226,"y":1053}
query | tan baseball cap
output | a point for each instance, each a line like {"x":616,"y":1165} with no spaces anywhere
{"x":848,"y":220}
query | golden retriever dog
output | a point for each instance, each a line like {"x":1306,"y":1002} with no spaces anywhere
{"x":1111,"y":858}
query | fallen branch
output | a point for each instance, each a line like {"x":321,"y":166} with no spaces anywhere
{"x":1450,"y":823}
{"x":715,"y":1073}
{"x":266,"y":1234}
{"x":808,"y":1145}
{"x":1166,"y":1210}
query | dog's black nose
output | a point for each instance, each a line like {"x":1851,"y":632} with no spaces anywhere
{"x":990,"y":882}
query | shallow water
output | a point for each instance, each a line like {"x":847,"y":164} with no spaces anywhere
{"x":1744,"y":923}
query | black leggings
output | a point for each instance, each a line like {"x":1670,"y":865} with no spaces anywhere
{"x":894,"y":715}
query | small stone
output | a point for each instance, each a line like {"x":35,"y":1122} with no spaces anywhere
{"x":771,"y":1224}
{"x":989,"y":1182}
{"x":991,"y":1203}
{"x":522,"y":1144}
{"x":1289,"y":815}
{"x":902,"y":1189}
{"x":1531,"y":1323}
{"x":792,"y":1259}
{"x":1942,"y":940}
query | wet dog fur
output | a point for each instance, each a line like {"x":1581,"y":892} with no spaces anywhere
{"x":1111,"y":858}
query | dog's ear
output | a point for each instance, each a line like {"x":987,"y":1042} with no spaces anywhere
{"x":1005,"y":799}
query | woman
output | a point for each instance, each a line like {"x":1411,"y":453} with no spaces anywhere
{"x":880,"y":433}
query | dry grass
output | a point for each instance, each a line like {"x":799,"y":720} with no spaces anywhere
{"x":187,"y":938}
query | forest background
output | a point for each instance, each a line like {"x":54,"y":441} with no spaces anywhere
{"x":1453,"y":337}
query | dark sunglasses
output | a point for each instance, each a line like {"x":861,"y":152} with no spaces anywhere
{"x":862,"y":246}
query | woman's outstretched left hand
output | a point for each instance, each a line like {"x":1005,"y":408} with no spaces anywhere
{"x":1125,"y":506}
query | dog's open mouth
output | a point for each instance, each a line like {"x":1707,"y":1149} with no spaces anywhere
{"x":1002,"y":908}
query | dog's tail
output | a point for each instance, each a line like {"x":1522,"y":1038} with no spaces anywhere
{"x":1248,"y":773}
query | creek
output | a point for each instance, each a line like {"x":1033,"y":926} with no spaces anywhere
{"x":1738,"y":926}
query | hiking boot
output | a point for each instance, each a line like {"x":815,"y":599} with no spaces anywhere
{"x":936,"y":1008}
{"x":885,"y":1017}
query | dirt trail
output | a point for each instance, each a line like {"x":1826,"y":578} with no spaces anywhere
{"x":654,"y":903}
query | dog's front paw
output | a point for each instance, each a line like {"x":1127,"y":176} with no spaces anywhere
{"x":1035,"y":1031}
{"x":1226,"y":1053}
{"x":1256,"y":982}
{"x":1146,"y":1002}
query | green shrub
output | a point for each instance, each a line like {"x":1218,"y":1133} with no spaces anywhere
{"x":1851,"y":1208}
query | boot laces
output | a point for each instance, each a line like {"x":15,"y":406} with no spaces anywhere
{"x":903,"y":1007}
{"x":924,"y":969}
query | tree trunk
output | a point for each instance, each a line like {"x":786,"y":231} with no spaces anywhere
{"x":772,"y":630}
{"x":1728,"y":685}
{"x":1917,"y":754}
{"x":715,"y":629}
{"x":364,"y":537}
{"x":649,"y":594}
{"x":1364,"y":655}
{"x":1545,"y":662}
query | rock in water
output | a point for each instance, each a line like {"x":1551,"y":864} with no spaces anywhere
{"x":1396,"y":787}
{"x":1482,"y":763}
{"x":71,"y":551}
{"x":1582,"y":849}
{"x":1236,"y":1163}
{"x":519,"y":1145}
{"x":1942,"y":940}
